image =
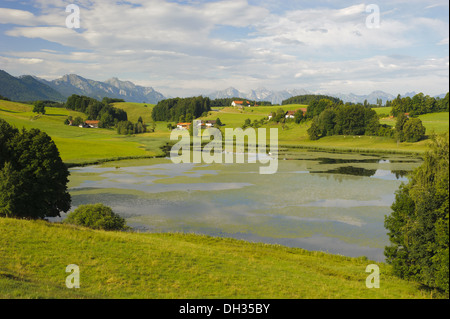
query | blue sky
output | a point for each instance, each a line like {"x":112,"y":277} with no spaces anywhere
{"x":198,"y":46}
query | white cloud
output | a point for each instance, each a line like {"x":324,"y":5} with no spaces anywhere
{"x":172,"y":45}
{"x":444,"y":42}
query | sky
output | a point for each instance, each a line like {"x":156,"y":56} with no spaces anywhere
{"x":185,"y":48}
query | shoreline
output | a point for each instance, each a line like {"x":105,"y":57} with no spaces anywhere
{"x":282,"y":147}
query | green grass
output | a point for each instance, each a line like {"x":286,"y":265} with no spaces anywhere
{"x":34,"y":256}
{"x":436,"y":122}
{"x":136,"y":110}
{"x":77,"y":145}
{"x":383,"y":110}
{"x":90,"y":145}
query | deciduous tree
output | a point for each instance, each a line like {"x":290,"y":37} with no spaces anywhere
{"x":33,"y":178}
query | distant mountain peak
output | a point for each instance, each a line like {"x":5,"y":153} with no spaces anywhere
{"x":27,"y":88}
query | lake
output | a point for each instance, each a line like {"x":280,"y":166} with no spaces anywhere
{"x":317,"y":201}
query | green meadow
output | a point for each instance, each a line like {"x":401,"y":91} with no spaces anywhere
{"x":35,"y":254}
{"x":78,"y":145}
{"x":294,"y":135}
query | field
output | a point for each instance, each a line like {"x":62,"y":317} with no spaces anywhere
{"x":34,"y":256}
{"x":78,"y":145}
{"x":136,"y":110}
{"x":294,"y":135}
{"x":90,"y":145}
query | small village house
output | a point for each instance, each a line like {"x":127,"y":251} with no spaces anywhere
{"x":291,"y":114}
{"x":184,"y":126}
{"x":92,"y":124}
{"x":210,"y":123}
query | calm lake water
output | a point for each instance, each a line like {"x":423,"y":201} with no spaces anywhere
{"x":317,"y":201}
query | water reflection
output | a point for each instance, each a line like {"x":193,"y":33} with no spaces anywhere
{"x":328,"y":202}
{"x":349,"y":170}
{"x":400,"y":175}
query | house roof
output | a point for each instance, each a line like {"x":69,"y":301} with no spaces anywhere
{"x":92,"y":122}
{"x":294,"y":112}
{"x":239,"y":102}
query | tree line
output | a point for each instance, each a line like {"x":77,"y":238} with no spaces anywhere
{"x":338,"y":119}
{"x":418,"y":105}
{"x":308,"y":99}
{"x":128,"y":128}
{"x":4,"y":98}
{"x":97,"y":111}
{"x":330,"y":119}
{"x":181,"y":109}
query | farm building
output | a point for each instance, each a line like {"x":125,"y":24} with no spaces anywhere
{"x":210,"y":123}
{"x":92,"y":124}
{"x":291,"y":114}
{"x":184,"y":126}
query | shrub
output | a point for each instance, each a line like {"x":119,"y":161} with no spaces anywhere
{"x":97,"y":216}
{"x":413,"y":130}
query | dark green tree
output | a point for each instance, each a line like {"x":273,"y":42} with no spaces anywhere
{"x":78,"y":121}
{"x":299,"y":117}
{"x":247,"y":123}
{"x":314,"y":131}
{"x":418,"y":226}
{"x":125,"y":128}
{"x":39,"y":107}
{"x":327,"y":122}
{"x":401,"y":121}
{"x":33,"y":178}
{"x":106,"y":120}
{"x":413,"y":130}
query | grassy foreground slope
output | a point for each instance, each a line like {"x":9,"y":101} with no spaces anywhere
{"x":34,"y":256}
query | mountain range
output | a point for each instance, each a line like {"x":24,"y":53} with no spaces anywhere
{"x":32,"y":88}
{"x":260,"y":94}
{"x":276,"y":97}
{"x":26,"y":88}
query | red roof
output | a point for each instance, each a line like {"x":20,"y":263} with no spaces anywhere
{"x":238,"y":102}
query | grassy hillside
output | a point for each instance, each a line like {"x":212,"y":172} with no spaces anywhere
{"x":78,"y":145}
{"x":89,"y":145}
{"x":294,"y":135}
{"x":34,"y":256}
{"x":136,"y":110}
